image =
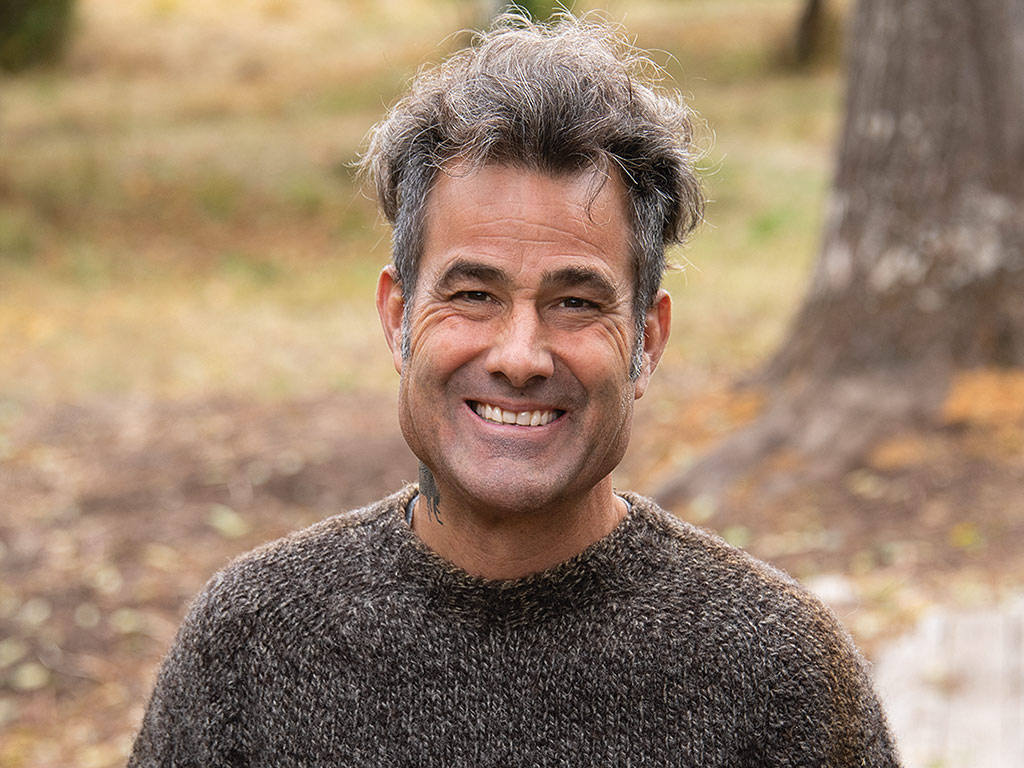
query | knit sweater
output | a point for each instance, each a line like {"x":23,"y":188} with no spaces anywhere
{"x":352,"y":644}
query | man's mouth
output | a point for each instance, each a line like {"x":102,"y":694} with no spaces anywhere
{"x":498,"y":415}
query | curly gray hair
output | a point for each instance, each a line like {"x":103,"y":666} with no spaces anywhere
{"x":560,"y":99}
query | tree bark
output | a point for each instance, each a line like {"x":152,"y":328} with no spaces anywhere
{"x":921,"y":269}
{"x":809,"y":30}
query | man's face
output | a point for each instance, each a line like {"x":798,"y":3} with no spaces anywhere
{"x":516,"y":391}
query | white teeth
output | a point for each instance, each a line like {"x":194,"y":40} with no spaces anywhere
{"x":519,"y":418}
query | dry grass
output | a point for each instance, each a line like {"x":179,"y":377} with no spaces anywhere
{"x":178,"y":214}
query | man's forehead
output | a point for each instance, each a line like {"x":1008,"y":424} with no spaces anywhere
{"x":501,"y":212}
{"x":495,"y":191}
{"x":567,"y":276}
{"x":590,"y":180}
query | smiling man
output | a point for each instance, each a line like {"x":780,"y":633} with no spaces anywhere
{"x":522,"y":363}
{"x":513,"y":608}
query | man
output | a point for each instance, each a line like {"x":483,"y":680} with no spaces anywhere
{"x":513,"y":609}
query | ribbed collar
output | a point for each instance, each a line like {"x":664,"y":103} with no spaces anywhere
{"x":618,"y":559}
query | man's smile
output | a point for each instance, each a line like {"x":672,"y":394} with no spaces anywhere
{"x":499,"y":415}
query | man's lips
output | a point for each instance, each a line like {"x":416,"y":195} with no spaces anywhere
{"x":498,"y":415}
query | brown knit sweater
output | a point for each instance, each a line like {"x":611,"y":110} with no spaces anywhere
{"x":350,"y":643}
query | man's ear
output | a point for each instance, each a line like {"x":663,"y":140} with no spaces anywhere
{"x":391,"y":309}
{"x":657,"y":326}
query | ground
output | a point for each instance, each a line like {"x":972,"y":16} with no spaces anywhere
{"x":115,"y":513}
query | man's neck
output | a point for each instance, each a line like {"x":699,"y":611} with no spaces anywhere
{"x":510,"y":546}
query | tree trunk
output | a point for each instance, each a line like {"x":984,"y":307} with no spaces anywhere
{"x":809,"y":30}
{"x":921,"y":269}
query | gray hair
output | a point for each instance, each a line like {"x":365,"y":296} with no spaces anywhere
{"x":561,"y":99}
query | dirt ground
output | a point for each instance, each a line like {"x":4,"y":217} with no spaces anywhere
{"x":116,"y":512}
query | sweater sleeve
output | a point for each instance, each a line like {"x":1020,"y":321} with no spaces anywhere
{"x":822,"y":709}
{"x":195,"y":716}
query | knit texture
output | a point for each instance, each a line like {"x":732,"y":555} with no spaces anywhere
{"x":350,"y":643}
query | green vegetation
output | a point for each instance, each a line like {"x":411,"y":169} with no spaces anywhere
{"x":33,"y":31}
{"x":539,"y":10}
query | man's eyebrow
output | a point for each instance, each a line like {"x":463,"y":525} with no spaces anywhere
{"x":462,"y":269}
{"x":581,"y":277}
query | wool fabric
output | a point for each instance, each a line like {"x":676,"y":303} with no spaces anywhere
{"x":352,"y":644}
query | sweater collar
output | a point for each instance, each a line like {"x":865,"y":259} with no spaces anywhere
{"x":614,"y":559}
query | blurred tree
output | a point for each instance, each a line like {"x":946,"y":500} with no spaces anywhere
{"x":33,"y":31}
{"x":921,"y":269}
{"x":809,"y":31}
{"x":539,"y":10}
{"x":818,"y":37}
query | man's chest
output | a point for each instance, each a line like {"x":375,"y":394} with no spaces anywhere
{"x":556,"y":692}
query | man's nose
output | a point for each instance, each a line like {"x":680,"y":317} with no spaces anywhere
{"x":520,"y":350}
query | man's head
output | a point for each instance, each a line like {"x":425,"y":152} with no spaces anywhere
{"x":563,"y":100}
{"x":533,"y":183}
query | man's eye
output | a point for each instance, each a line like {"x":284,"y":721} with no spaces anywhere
{"x":574,"y":302}
{"x":473,"y":295}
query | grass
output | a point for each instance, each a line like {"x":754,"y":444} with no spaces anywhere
{"x":178,"y":214}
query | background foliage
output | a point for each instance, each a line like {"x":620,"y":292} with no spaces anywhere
{"x":33,"y":31}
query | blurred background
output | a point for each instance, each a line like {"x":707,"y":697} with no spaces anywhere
{"x":191,"y":364}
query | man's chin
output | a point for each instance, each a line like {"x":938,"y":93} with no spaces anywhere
{"x":515,"y":494}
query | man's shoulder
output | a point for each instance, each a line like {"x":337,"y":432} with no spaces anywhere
{"x":719,"y":612}
{"x":729,"y":588}
{"x":701,"y":554}
{"x":346,"y":529}
{"x":306,"y":564}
